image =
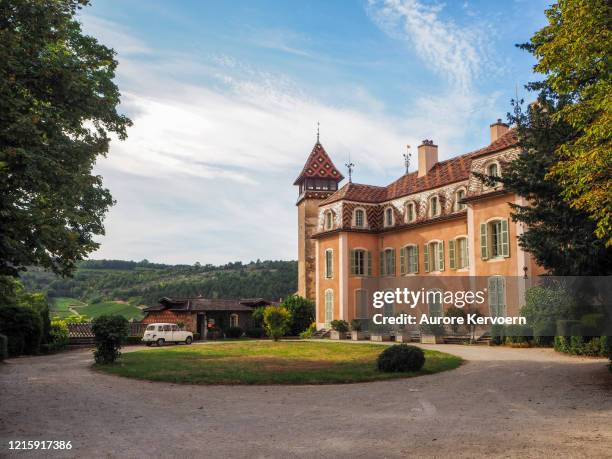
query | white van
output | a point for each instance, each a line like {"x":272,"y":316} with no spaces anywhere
{"x":166,"y":333}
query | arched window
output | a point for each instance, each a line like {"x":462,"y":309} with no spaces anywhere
{"x":359,"y":218}
{"x":493,"y":169}
{"x":361,"y":262}
{"x":387,"y":262}
{"x":329,"y":220}
{"x":459,"y":195}
{"x":458,"y":253}
{"x":329,"y":306}
{"x":433,"y":256}
{"x":389,"y":216}
{"x":233,"y":320}
{"x":410,"y":212}
{"x":409,"y":259}
{"x":434,"y":206}
{"x":494,"y":239}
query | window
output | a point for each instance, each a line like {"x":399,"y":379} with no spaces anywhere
{"x":233,"y":320}
{"x":497,"y":296}
{"x":329,"y":263}
{"x":459,"y":195}
{"x":151,"y":328}
{"x":175,"y":328}
{"x":409,"y":259}
{"x":160,"y":328}
{"x":329,"y":220}
{"x":458,"y":253}
{"x":387,"y":262}
{"x":389,"y":216}
{"x":388,"y":308}
{"x":434,"y":206}
{"x":361,"y":262}
{"x":494,"y":239}
{"x":433,"y":256}
{"x":493,"y":170}
{"x":329,"y":306}
{"x":434,"y":303}
{"x":361,"y":304}
{"x":167,"y":328}
{"x":359,"y":218}
{"x":410,"y":212}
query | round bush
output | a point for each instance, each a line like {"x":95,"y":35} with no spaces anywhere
{"x":401,"y":358}
{"x":234,"y":332}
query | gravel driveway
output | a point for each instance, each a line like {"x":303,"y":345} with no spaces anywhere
{"x":501,"y":402}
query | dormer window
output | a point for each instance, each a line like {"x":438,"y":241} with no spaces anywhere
{"x":329,"y":220}
{"x":434,"y":206}
{"x":459,"y":195}
{"x":410,"y":212}
{"x":359,"y":218}
{"x":493,"y":170}
{"x":389,"y":216}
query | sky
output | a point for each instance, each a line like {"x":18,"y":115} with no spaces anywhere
{"x":225,"y":98}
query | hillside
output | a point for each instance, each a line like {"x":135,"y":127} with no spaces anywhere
{"x":124,"y":287}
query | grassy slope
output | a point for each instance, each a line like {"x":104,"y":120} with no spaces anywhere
{"x":264,"y":362}
{"x":60,"y":307}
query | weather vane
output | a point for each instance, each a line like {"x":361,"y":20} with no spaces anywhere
{"x":407,"y":157}
{"x":317,"y":132}
{"x":350,"y":167}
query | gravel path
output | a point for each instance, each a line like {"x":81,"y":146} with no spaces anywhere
{"x":501,"y":402}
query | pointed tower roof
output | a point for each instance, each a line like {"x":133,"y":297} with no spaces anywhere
{"x":319,"y":165}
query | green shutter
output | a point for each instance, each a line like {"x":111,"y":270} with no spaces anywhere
{"x":392,"y":271}
{"x":382,"y":263}
{"x":416,"y":258}
{"x":493,"y":295}
{"x":403,"y":261}
{"x":452,"y":264}
{"x":426,"y":258}
{"x":353,"y":263}
{"x":441,"y":255}
{"x":369,"y":263}
{"x":484,"y":249}
{"x":504,"y":238}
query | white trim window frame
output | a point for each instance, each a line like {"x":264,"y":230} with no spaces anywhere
{"x":328,"y":223}
{"x":460,"y":193}
{"x":411,"y":214}
{"x":434,"y":206}
{"x":329,"y":306}
{"x":360,"y":218}
{"x":388,"y":217}
{"x":329,"y":263}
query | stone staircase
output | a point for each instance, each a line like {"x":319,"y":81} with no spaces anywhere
{"x":321,"y":333}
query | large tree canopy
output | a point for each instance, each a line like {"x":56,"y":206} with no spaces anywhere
{"x":58,"y":108}
{"x":573,"y":53}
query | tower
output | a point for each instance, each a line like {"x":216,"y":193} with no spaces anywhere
{"x":318,"y":180}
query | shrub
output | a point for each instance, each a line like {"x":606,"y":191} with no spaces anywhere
{"x":3,"y":347}
{"x":302,"y":313}
{"x":518,"y":334}
{"x":257,"y":317}
{"x":196,"y":336}
{"x":454,"y":311}
{"x":339,"y":325}
{"x":23,"y":327}
{"x":234,"y":332}
{"x":356,"y":325}
{"x":543,"y":333}
{"x":309,"y":331}
{"x":498,"y":334}
{"x":276,"y":321}
{"x":255,"y":332}
{"x":59,"y":335}
{"x":401,"y":358}
{"x":110,"y":332}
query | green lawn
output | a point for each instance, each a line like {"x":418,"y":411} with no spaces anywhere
{"x":61,"y":307}
{"x":266,"y":362}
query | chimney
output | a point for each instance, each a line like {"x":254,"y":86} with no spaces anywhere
{"x":498,"y":129}
{"x":428,"y":156}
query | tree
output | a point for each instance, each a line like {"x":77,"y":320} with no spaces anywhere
{"x":110,"y":332}
{"x":573,"y":51}
{"x":58,"y":108}
{"x":560,"y":237}
{"x":276,"y":321}
{"x":302,"y":313}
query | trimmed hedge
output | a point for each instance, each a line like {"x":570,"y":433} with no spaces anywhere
{"x":234,"y":332}
{"x":598,"y":346}
{"x":401,"y":358}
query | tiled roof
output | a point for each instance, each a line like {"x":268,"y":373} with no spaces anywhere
{"x":206,"y":304}
{"x":319,"y":165}
{"x":443,"y":173}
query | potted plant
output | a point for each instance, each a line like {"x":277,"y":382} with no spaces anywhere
{"x":339,"y":329}
{"x":432,"y":334}
{"x":356,"y":332}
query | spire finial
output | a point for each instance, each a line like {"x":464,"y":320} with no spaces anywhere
{"x":407,"y":157}
{"x":350,"y":167}
{"x":318,"y":124}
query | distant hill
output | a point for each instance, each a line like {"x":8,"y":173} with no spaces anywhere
{"x":119,"y":286}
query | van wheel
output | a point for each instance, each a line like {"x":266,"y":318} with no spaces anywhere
{"x":160,"y":342}
{"x":189,"y":340}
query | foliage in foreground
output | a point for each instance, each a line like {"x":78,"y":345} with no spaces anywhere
{"x":268,"y":362}
{"x":401,"y":358}
{"x":276,"y":321}
{"x":110,"y":333}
